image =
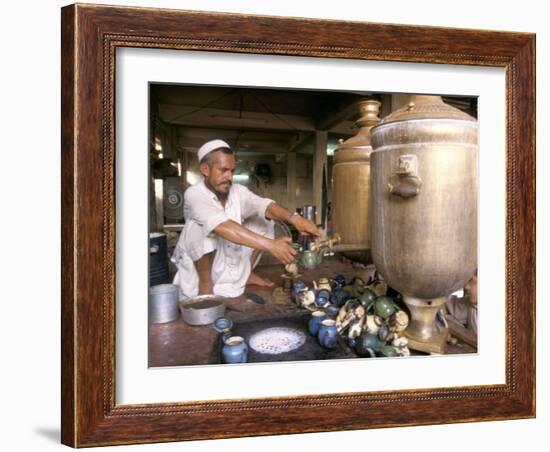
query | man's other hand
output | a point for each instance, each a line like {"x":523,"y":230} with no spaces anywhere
{"x":304,"y":226}
{"x":281,"y":249}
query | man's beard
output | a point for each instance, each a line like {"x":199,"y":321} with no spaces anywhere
{"x":222,"y":196}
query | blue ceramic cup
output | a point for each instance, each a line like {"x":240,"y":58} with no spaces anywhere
{"x":234,"y":350}
{"x":327,"y":334}
{"x":315,"y":322}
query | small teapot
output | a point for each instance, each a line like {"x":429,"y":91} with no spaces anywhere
{"x":367,"y":344}
{"x":323,"y":284}
{"x":306,"y":299}
{"x":388,"y":351}
{"x":322,"y":298}
{"x":339,"y":281}
{"x":298,"y":286}
{"x":367,"y":299}
{"x":311,"y":259}
{"x":340,"y":296}
{"x":356,"y":287}
{"x":384,"y":307}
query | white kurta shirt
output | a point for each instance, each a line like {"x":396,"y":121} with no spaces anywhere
{"x":203,"y":212}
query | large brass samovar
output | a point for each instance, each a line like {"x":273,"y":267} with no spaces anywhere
{"x":351,"y":187}
{"x":424,"y":217}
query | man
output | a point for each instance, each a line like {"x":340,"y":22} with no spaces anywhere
{"x":226,"y":228}
{"x":464,"y":309}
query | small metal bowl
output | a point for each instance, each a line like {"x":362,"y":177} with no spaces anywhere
{"x":202,"y":310}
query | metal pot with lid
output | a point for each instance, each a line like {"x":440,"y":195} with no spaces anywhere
{"x":203,"y":309}
{"x":424,"y":200}
{"x":351,"y":186}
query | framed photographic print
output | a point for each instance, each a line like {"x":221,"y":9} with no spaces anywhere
{"x":410,"y":149}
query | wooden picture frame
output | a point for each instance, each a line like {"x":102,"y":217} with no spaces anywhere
{"x":90,"y":37}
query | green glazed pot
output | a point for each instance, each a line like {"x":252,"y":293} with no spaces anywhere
{"x":311,"y":259}
{"x":367,"y":342}
{"x":388,"y":351}
{"x":384,"y":307}
{"x":367,"y":299}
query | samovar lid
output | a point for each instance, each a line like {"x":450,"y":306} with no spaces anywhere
{"x":426,"y":107}
{"x":369,"y":110}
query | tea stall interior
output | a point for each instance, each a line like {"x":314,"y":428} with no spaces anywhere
{"x":285,"y":142}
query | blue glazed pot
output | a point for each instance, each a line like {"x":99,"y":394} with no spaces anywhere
{"x":298,"y":286}
{"x":332,"y":309}
{"x":327,"y":334}
{"x":222,"y":324}
{"x":324,"y":293}
{"x":321,"y":300}
{"x":368,"y":344}
{"x":234,"y":350}
{"x":339,"y":282}
{"x":315,"y":322}
{"x":340,"y":296}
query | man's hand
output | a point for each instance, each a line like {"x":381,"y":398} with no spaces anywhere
{"x":281,"y":249}
{"x":275,"y":212}
{"x":304,"y":226}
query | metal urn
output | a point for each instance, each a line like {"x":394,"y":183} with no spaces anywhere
{"x":424,"y":217}
{"x":351,"y":187}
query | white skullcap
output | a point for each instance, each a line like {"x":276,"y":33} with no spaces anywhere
{"x":210,"y":146}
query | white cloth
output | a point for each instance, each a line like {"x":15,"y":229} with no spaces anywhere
{"x":203,"y":212}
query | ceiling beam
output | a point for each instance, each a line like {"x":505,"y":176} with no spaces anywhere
{"x":217,"y":118}
{"x":336,"y":113}
{"x":268,"y":144}
{"x":299,"y":141}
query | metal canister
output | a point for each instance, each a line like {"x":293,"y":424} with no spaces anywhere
{"x":308,"y":212}
{"x":351,"y":175}
{"x":424,"y":195}
{"x":158,"y":259}
{"x":163,"y":303}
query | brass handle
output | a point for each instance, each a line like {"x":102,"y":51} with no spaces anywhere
{"x":407,"y":187}
{"x":407,"y":171}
